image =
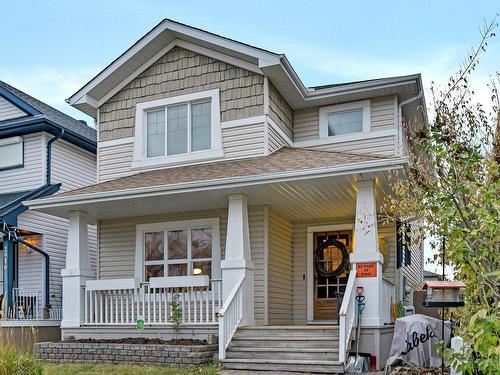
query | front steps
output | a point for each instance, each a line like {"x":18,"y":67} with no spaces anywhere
{"x":309,"y":349}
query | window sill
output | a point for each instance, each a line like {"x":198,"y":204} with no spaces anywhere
{"x":177,"y":160}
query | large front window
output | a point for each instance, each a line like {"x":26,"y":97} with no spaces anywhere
{"x":180,"y":249}
{"x":178,"y":129}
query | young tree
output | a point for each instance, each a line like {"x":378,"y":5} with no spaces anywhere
{"x":454,"y":191}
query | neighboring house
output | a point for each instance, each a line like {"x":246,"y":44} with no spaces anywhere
{"x":431,"y":276}
{"x":42,"y":151}
{"x":225,"y":180}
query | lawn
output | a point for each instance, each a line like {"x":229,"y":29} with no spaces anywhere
{"x":53,"y":369}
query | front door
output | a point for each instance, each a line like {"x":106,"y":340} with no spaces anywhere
{"x":329,"y":291}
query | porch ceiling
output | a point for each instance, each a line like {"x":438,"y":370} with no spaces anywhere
{"x":321,"y":197}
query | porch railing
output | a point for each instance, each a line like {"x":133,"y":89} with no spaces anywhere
{"x":347,"y":317}
{"x":123,"y":302}
{"x":27,"y":304}
{"x":230,"y":316}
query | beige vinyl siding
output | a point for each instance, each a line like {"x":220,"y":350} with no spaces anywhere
{"x":117,"y":239}
{"x":306,"y":124}
{"x":9,"y":111}
{"x":383,"y":145}
{"x":179,"y":72}
{"x":240,"y":141}
{"x":280,"y":112}
{"x":383,"y":117}
{"x":280,"y":284}
{"x":55,"y":239}
{"x":274,"y":140}
{"x":383,"y":113}
{"x":72,"y":166}
{"x":115,"y":161}
{"x":32,"y":174}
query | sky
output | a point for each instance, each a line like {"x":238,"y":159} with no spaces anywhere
{"x":52,"y":48}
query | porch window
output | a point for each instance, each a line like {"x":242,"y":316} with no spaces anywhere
{"x":344,"y":119}
{"x":178,"y":129}
{"x":180,"y":249}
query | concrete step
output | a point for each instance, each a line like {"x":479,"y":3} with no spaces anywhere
{"x":288,"y":331}
{"x":316,"y":354}
{"x":281,"y":342}
{"x":307,"y":366}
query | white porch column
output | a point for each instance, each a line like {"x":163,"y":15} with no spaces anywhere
{"x":238,"y":260}
{"x":77,"y":270}
{"x":366,"y":253}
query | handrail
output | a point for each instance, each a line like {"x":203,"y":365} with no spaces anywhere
{"x":230,"y":316}
{"x":346,"y":317}
{"x":230,"y":298}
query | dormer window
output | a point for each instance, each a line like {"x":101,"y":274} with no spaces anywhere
{"x":178,"y":129}
{"x":343,"y":119}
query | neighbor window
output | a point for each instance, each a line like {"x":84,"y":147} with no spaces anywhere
{"x":186,"y":250}
{"x":342,"y":119}
{"x":11,"y":152}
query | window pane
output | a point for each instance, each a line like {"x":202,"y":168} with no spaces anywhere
{"x":156,"y":133}
{"x":201,"y":126}
{"x":153,"y":246}
{"x":177,"y":129}
{"x":202,"y":268}
{"x":177,"y":269}
{"x":345,"y":122}
{"x":201,"y":243}
{"x":177,"y":244}
{"x":154,"y":271}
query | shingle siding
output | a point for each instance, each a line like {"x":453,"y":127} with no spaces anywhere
{"x":179,"y":72}
{"x":280,"y":112}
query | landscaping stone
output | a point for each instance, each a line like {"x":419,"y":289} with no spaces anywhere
{"x":137,"y":354}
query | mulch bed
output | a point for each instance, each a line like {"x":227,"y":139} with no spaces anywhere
{"x":418,"y":371}
{"x":144,"y":341}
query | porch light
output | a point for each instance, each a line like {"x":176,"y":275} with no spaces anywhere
{"x":197,"y":271}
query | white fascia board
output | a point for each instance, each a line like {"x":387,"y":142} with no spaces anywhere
{"x":232,"y":182}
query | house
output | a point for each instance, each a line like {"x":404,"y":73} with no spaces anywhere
{"x":42,"y":152}
{"x":227,"y":186}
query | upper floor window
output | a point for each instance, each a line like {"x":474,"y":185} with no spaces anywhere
{"x":178,"y":129}
{"x":11,"y":153}
{"x":342,"y":119}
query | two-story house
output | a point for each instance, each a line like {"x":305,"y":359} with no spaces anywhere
{"x":42,"y":151}
{"x":226,"y":183}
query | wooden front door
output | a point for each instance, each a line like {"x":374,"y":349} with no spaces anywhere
{"x":329,"y":291}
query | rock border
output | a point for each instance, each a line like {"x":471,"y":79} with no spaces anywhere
{"x":131,"y":354}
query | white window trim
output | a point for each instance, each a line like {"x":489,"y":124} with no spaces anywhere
{"x":325,"y":111}
{"x":141,"y":229}
{"x":20,"y":155}
{"x":140,"y":160}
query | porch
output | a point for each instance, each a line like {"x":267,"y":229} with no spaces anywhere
{"x":258,"y":258}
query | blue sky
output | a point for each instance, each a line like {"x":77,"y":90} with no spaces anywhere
{"x":51,"y":48}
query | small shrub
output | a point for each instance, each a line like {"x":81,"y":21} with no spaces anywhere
{"x":176,"y":316}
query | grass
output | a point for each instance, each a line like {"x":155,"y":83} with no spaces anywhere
{"x":53,"y":369}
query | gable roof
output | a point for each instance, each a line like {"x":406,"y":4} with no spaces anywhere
{"x":168,"y":34}
{"x":38,"y":113}
{"x":284,"y":162}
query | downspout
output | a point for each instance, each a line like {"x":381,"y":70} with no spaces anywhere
{"x":49,"y":155}
{"x":400,"y":153}
{"x":400,"y":120}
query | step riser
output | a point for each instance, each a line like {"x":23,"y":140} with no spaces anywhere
{"x":283,"y":355}
{"x":284,"y":344}
{"x":284,"y":367}
{"x":288,"y":332}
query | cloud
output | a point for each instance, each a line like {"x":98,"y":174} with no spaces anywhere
{"x":50,"y":85}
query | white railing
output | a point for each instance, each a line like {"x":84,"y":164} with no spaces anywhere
{"x":123,"y":302}
{"x":347,"y":316}
{"x":230,"y":316}
{"x":27,"y":304}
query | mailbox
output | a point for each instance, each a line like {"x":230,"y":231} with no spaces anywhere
{"x":443,"y":293}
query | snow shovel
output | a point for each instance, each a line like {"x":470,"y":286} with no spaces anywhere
{"x":355,"y":363}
